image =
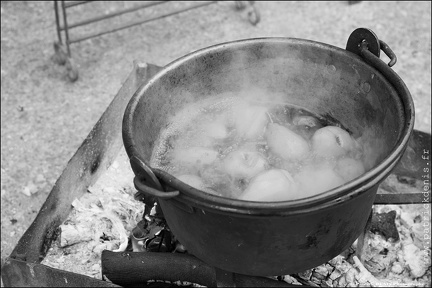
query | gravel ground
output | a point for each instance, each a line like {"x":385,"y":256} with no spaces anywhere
{"x":45,"y":118}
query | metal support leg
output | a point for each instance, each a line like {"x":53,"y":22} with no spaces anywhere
{"x":363,"y":239}
{"x":62,"y":54}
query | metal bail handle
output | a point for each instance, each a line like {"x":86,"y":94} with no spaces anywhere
{"x":365,"y":39}
{"x":146,"y":181}
{"x":142,"y":187}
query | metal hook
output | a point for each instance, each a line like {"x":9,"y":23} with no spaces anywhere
{"x":389,"y":52}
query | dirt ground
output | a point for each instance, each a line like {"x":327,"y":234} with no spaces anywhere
{"x":45,"y":117}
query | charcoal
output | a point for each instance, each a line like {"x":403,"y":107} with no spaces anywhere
{"x":384,"y":224}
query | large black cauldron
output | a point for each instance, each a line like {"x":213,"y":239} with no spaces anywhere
{"x":275,"y":238}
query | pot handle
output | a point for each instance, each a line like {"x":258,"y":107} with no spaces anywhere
{"x":143,"y":173}
{"x":140,"y":186}
{"x":148,"y":185}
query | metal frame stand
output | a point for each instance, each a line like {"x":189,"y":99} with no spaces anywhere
{"x":62,"y":49}
{"x":98,"y":151}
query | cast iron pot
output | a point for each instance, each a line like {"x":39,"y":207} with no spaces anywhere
{"x":274,"y":238}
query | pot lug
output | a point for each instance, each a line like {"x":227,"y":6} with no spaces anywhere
{"x":363,"y":38}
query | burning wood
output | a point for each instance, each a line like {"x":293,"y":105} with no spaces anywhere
{"x":104,"y":219}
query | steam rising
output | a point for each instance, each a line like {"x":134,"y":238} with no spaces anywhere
{"x":267,"y":154}
{"x":272,"y":107}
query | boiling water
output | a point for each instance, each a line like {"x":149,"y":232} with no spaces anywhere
{"x":257,"y":151}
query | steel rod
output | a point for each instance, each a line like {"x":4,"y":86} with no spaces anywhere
{"x":57,"y":22}
{"x":110,"y":15}
{"x":75,"y":3}
{"x":66,"y":30}
{"x":139,"y":22}
{"x":399,"y":198}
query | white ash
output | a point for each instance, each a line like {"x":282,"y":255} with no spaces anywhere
{"x":405,"y":263}
{"x":101,"y":219}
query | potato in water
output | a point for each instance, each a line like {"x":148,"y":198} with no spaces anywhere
{"x":250,"y":120}
{"x":262,"y":152}
{"x":244,"y":163}
{"x":285,"y":143}
{"x":332,"y":141}
{"x":271,"y":185}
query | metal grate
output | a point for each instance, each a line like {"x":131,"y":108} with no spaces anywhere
{"x":62,"y":46}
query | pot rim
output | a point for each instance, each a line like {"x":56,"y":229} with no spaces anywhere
{"x":337,"y":195}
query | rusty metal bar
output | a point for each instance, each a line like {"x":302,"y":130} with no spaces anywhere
{"x":113,"y":14}
{"x":140,"y":22}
